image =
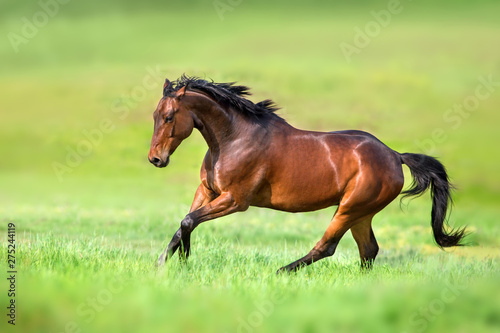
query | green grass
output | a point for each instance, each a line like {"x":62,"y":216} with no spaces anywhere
{"x":72,"y":255}
{"x":86,"y":245}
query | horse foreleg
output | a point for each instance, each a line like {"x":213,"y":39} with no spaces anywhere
{"x":202,"y":197}
{"x":223,"y":205}
{"x":171,"y":248}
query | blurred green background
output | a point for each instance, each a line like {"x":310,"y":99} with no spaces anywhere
{"x":79,"y":82}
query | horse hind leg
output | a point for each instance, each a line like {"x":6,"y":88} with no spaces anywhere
{"x":342,"y":221}
{"x":367,"y":244}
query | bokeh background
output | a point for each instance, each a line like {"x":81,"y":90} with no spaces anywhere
{"x":79,"y":82}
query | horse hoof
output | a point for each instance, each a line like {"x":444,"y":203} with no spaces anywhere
{"x":282,"y":270}
{"x":160,"y":262}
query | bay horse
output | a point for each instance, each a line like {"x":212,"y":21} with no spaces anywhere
{"x":255,"y":158}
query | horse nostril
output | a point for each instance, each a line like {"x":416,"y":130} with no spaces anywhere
{"x":155,"y":160}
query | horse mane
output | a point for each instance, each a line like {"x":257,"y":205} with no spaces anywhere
{"x":227,"y":93}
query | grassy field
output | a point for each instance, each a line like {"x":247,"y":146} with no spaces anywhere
{"x":88,"y":235}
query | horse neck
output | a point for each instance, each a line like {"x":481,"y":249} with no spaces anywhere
{"x":218,"y":126}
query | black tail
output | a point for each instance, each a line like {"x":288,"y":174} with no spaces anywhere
{"x":429,"y":172}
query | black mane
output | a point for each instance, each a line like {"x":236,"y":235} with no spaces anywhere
{"x":226,"y":93}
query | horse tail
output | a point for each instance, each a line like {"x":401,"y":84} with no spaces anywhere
{"x":429,"y":172}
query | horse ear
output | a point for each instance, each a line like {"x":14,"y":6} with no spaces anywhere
{"x":166,"y":86}
{"x":181,"y":92}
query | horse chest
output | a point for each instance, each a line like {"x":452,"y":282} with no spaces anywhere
{"x":233,"y":175}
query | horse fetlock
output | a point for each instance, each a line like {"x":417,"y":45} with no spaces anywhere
{"x":177,"y":235}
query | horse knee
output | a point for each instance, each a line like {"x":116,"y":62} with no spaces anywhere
{"x":187,"y":224}
{"x":330,"y":250}
{"x":327,"y":250}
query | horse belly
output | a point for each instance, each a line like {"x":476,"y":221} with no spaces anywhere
{"x":301,"y":186}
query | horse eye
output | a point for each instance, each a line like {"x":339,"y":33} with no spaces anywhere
{"x":168,"y":119}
